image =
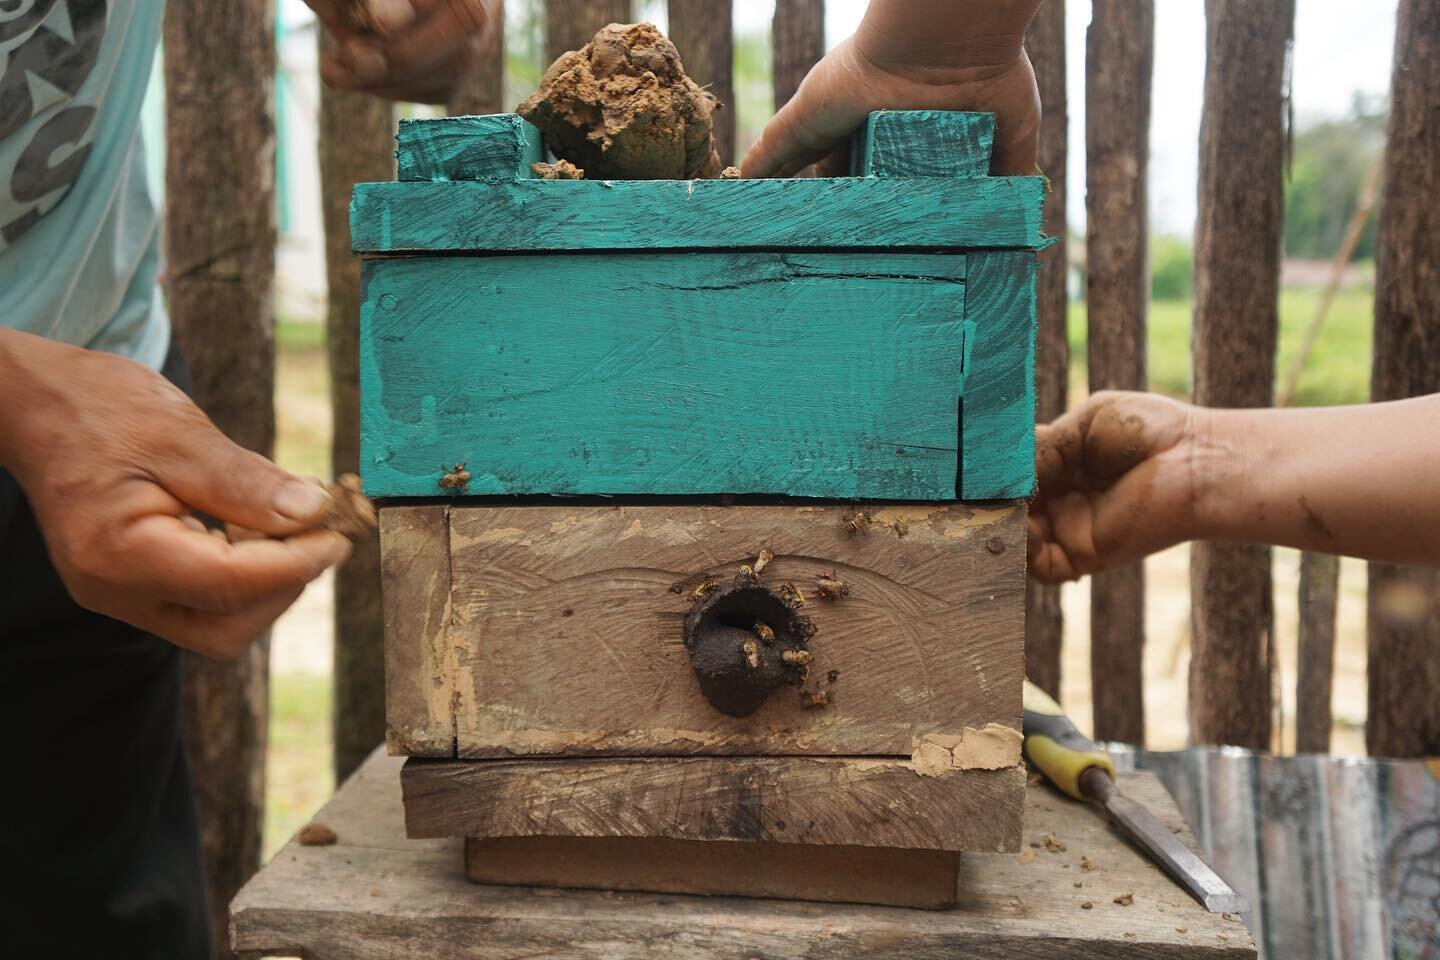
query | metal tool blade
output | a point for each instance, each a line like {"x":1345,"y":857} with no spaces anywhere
{"x":1177,"y":859}
{"x":1164,"y":847}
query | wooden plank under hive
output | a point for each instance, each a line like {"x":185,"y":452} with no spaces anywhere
{"x":759,"y":607}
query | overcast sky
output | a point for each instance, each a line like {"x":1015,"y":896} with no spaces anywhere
{"x":1341,"y":48}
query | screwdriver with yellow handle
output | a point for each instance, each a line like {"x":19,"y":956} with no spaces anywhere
{"x":1077,"y":767}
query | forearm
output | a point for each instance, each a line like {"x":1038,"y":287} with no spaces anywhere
{"x":977,"y":33}
{"x":1359,"y":481}
{"x":17,"y":388}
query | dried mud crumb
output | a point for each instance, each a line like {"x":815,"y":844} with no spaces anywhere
{"x":1182,"y":929}
{"x":1026,"y":856}
{"x":316,"y":834}
{"x":1053,"y":843}
{"x":730,"y":173}
{"x":1078,"y":884}
{"x":559,"y":170}
{"x":1087,"y":864}
{"x":1086,"y":905}
{"x":622,"y":108}
{"x":763,"y":560}
{"x":1126,"y":899}
{"x":351,"y":513}
{"x":1130,"y":935}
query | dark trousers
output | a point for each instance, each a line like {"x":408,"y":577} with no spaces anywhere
{"x":99,"y":845}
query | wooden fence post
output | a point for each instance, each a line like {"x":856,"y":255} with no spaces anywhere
{"x":1119,"y":50}
{"x":1237,"y":279}
{"x":797,"y":38}
{"x":1319,"y":584}
{"x":1403,"y":718}
{"x":570,"y":24}
{"x":220,"y":253}
{"x":1045,"y":43}
{"x":482,"y":91}
{"x":357,"y":143}
{"x":703,"y":31}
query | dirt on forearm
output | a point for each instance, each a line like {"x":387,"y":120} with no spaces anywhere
{"x":622,"y":108}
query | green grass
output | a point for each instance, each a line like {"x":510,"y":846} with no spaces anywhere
{"x":299,"y":777}
{"x":1338,"y":370}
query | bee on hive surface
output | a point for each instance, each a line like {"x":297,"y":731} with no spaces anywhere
{"x":456,"y":480}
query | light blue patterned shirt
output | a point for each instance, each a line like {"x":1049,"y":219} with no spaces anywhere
{"x":79,"y":230}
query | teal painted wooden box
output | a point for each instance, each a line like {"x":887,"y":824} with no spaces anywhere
{"x":867,"y":337}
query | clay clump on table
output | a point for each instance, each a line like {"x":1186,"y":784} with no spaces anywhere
{"x":622,"y":108}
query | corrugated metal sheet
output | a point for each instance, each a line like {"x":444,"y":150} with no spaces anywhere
{"x":1339,"y":858}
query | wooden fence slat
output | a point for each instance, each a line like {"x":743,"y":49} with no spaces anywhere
{"x":1045,"y":43}
{"x":1404,"y":608}
{"x":703,"y":32}
{"x":570,"y":24}
{"x":1237,"y":280}
{"x":1319,"y":584}
{"x":220,"y":251}
{"x":482,"y":89}
{"x":797,"y":36}
{"x":356,"y":143}
{"x":1119,"y":52}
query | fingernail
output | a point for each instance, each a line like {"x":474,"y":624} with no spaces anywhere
{"x":367,"y":62}
{"x":300,"y":501}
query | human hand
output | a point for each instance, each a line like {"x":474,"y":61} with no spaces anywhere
{"x":911,"y":56}
{"x":115,"y":461}
{"x":413,"y":50}
{"x":1117,"y":481}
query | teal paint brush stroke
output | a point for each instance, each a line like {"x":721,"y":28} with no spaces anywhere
{"x":814,"y":375}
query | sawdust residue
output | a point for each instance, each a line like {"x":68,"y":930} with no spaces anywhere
{"x":622,"y":108}
{"x":991,"y":747}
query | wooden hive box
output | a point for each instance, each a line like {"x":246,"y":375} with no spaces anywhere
{"x":592,"y":409}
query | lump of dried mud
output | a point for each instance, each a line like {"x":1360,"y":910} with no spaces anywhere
{"x":622,"y":108}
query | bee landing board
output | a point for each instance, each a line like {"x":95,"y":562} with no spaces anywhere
{"x":597,"y":687}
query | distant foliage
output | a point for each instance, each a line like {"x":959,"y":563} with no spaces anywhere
{"x":1171,"y":268}
{"x":1328,"y":170}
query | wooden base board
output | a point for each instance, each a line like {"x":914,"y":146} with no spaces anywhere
{"x":816,"y":801}
{"x":926,"y":879}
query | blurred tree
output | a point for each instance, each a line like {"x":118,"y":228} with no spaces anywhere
{"x":1327,"y":170}
{"x":1172,"y":268}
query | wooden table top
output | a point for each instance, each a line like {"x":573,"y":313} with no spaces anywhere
{"x":375,"y":894}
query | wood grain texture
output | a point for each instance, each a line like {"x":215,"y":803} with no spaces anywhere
{"x":1237,"y":278}
{"x":928,"y":642}
{"x":923,"y":143}
{"x":926,"y":879}
{"x":703,"y":32}
{"x":1045,"y":44}
{"x":997,"y":412}
{"x":420,"y":673}
{"x":820,"y":375}
{"x":355,"y":136}
{"x":575,"y":215}
{"x":1119,"y":52}
{"x":442,"y":149}
{"x":797,"y":43}
{"x":375,"y":895}
{"x":565,"y":635}
{"x":825,"y":801}
{"x":220,"y":270}
{"x":1403,"y":717}
{"x":1319,"y":591}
